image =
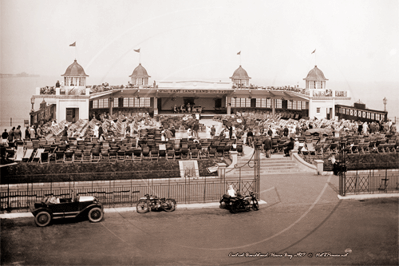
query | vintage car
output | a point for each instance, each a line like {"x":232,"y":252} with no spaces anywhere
{"x":58,"y":208}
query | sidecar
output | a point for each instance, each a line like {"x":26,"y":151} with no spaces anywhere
{"x":226,"y":201}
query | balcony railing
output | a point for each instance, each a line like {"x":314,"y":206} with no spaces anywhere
{"x":341,"y":94}
{"x":322,"y":94}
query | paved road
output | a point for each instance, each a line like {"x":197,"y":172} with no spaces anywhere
{"x":303,"y":215}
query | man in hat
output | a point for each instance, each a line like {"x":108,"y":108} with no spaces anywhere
{"x":267,"y":146}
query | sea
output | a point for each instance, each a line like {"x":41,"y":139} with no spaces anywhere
{"x":16,"y":92}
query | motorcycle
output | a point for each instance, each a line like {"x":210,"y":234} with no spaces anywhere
{"x":150,"y":203}
{"x":244,"y":203}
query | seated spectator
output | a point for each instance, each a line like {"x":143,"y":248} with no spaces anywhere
{"x":290,"y":146}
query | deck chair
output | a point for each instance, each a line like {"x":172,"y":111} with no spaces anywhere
{"x":20,"y":154}
{"x":95,"y":155}
{"x":177,"y":154}
{"x":27,"y":155}
{"x":38,"y":155}
{"x":185,"y":152}
{"x":129,"y":154}
{"x":154,"y":154}
{"x":44,"y":157}
{"x":86,"y":157}
{"x":170,"y":154}
{"x":69,"y":156}
{"x":195,"y":154}
{"x":220,"y":151}
{"x":212,"y":153}
{"x":59,"y":156}
{"x":112,"y":155}
{"x":77,"y":156}
{"x":162,"y":151}
{"x":137,"y":154}
{"x":120,"y":156}
{"x":146,"y":153}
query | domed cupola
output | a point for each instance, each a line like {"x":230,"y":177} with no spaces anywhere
{"x":240,"y":77}
{"x":75,"y":75}
{"x":139,"y":76}
{"x":315,"y":79}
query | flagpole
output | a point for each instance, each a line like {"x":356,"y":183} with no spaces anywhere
{"x":315,"y":59}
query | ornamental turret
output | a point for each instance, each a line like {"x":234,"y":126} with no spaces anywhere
{"x":75,"y":75}
{"x":139,"y":76}
{"x":315,"y":79}
{"x":240,"y":77}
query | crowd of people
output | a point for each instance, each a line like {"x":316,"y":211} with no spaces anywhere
{"x":243,"y":127}
{"x":30,"y":132}
{"x":272,"y":88}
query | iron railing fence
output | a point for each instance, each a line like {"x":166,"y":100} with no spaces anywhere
{"x":184,"y":191}
{"x":368,"y":183}
{"x":97,"y":176}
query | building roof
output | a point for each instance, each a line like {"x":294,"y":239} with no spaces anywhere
{"x":315,"y":75}
{"x":240,"y":73}
{"x":139,"y":72}
{"x":75,"y":70}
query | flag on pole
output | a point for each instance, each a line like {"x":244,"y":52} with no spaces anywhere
{"x":314,"y":51}
{"x":73,"y":44}
{"x":137,"y":50}
{"x":239,"y":53}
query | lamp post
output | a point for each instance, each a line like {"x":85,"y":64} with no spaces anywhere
{"x":340,"y":169}
{"x":385,"y":103}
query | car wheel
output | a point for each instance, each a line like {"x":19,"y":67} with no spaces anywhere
{"x":142,"y":207}
{"x":42,"y":218}
{"x":171,"y":206}
{"x":95,"y":215}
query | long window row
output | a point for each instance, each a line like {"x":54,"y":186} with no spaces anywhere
{"x":266,"y":103}
{"x":363,"y":114}
{"x":126,"y":102}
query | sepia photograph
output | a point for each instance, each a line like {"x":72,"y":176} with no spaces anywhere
{"x":226,"y":132}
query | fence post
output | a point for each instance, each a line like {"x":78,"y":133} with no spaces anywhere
{"x":205,"y":190}
{"x":8,"y":197}
{"x":257,"y":170}
{"x":222,"y":175}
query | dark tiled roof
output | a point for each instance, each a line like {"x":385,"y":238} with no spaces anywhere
{"x":240,"y":73}
{"x":139,"y":72}
{"x":315,"y":75}
{"x":75,"y":70}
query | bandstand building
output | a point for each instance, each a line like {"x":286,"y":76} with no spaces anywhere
{"x":75,"y":100}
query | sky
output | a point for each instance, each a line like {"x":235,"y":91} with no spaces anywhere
{"x":356,"y":42}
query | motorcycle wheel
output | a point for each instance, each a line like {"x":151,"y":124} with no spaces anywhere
{"x":233,"y":208}
{"x":171,"y":206}
{"x":142,"y":207}
{"x":222,"y":205}
{"x":255,"y":205}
